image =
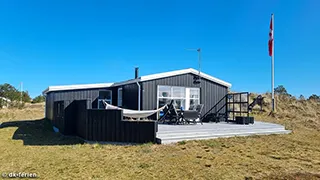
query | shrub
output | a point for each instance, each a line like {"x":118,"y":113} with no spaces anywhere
{"x":17,"y":104}
{"x":38,"y":99}
{"x":280,"y":90}
{"x":10,"y":92}
{"x":302,"y":98}
{"x":314,"y":97}
{"x":182,"y":142}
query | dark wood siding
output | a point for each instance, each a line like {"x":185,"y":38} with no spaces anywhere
{"x":130,"y":96}
{"x":49,"y":106}
{"x":59,"y":115}
{"x":90,"y":95}
{"x":107,"y":125}
{"x":129,"y":99}
{"x":114,"y":96}
{"x":102,"y":125}
{"x":210,"y":92}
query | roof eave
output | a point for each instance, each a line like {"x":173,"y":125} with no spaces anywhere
{"x":213,"y":79}
{"x":174,"y":73}
{"x":131,"y":81}
{"x":45,"y":91}
{"x":76,"y":87}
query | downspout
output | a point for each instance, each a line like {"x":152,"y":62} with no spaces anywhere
{"x":139,"y":95}
{"x":136,"y":76}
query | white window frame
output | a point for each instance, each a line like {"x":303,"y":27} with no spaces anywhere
{"x":186,"y":98}
{"x":189,"y":98}
{"x":99,"y":100}
{"x":120,"y":99}
{"x":171,"y":94}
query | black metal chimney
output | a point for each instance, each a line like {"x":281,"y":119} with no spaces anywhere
{"x":136,"y":72}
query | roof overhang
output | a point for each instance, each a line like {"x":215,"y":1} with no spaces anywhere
{"x":140,"y":79}
{"x":174,"y":73}
{"x":76,"y":87}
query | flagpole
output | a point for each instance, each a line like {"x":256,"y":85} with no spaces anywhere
{"x":272,"y":65}
{"x":199,"y":61}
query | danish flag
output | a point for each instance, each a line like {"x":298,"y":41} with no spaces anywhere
{"x":270,"y":43}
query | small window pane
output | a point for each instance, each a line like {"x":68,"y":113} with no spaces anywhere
{"x":178,"y":92}
{"x":163,"y":101}
{"x":104,"y":94}
{"x":194,"y":102}
{"x":101,"y":104}
{"x":164,"y":91}
{"x":194,"y":93}
{"x":120,"y":97}
{"x":178,"y":103}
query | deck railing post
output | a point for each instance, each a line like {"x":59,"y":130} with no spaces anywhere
{"x":226,"y":113}
{"x":233,"y":107}
{"x":240,"y":103}
{"x":248,"y":105}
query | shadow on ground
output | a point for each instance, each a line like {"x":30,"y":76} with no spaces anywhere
{"x":38,"y":133}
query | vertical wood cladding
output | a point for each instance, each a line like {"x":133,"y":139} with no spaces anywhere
{"x":210,"y":92}
{"x":90,"y":95}
{"x":130,"y":96}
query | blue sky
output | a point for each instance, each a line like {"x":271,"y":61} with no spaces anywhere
{"x":46,"y":43}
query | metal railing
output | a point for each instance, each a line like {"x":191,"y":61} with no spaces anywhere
{"x":216,"y":111}
{"x":239,"y":103}
{"x":234,"y":105}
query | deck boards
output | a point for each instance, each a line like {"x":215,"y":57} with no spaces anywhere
{"x":174,"y":133}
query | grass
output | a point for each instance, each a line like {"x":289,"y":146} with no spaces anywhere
{"x":28,"y":144}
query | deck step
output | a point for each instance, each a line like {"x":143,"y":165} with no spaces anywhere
{"x":197,"y":132}
{"x":177,"y":138}
{"x":175,"y":133}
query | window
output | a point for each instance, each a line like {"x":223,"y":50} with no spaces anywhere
{"x":105,"y":95}
{"x":182,"y":96}
{"x":59,"y":108}
{"x":194,"y":98}
{"x":168,"y":93}
{"x":178,"y":92}
{"x":164,"y":91}
{"x":119,"y":97}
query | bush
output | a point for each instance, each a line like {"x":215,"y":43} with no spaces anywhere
{"x":17,"y":104}
{"x":10,"y":92}
{"x":182,"y":142}
{"x":302,"y":98}
{"x":314,"y":97}
{"x":26,"y":97}
{"x":38,"y":99}
{"x":281,"y":90}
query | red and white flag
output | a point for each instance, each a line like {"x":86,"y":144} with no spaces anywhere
{"x":270,"y":43}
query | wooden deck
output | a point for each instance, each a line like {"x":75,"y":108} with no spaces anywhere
{"x":174,"y":133}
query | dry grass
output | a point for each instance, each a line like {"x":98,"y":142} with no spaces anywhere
{"x":31,"y":146}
